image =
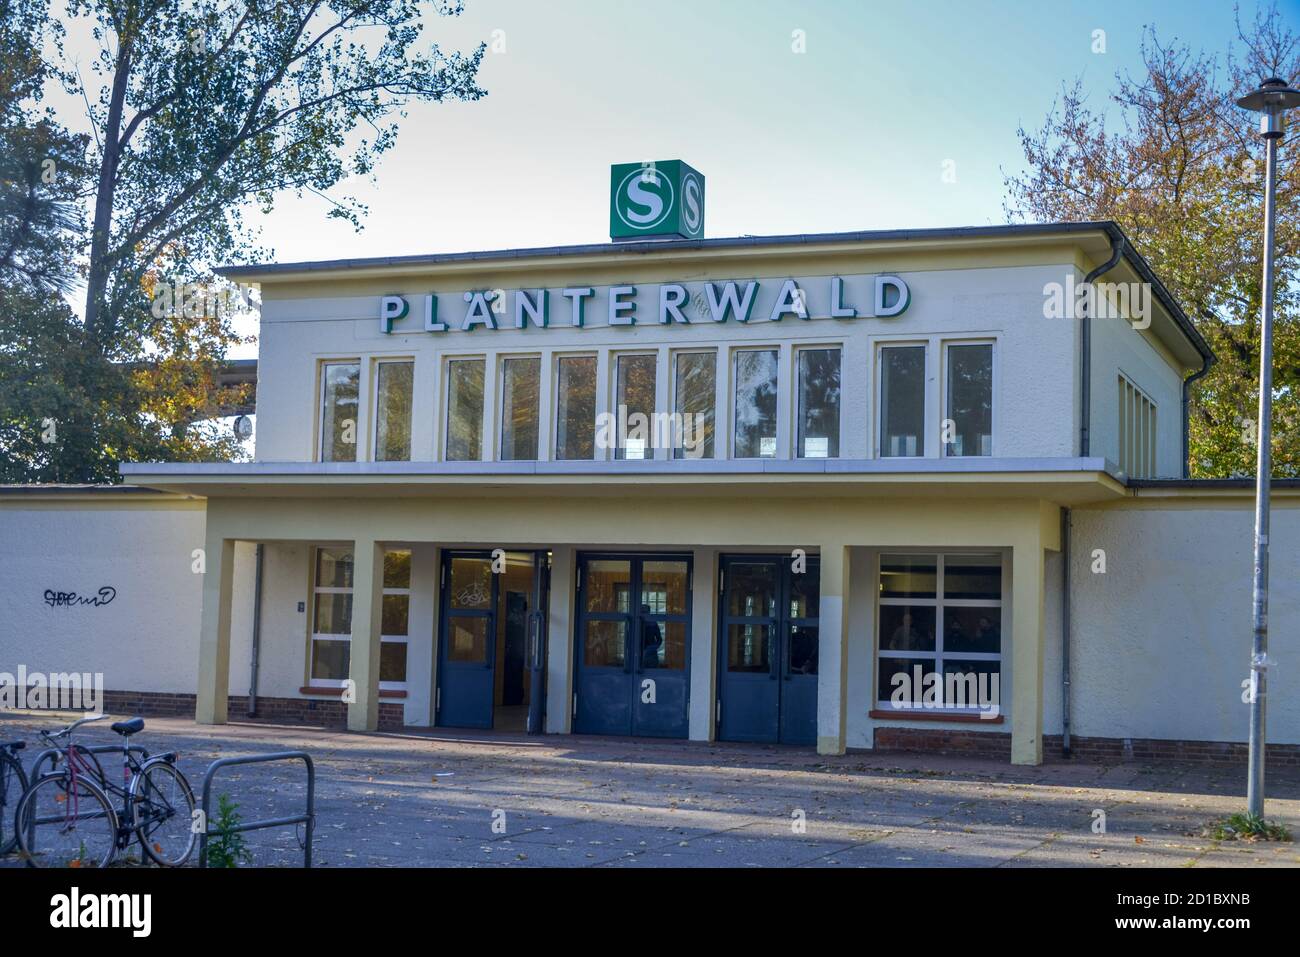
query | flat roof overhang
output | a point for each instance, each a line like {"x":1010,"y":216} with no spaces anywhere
{"x":1066,"y":481}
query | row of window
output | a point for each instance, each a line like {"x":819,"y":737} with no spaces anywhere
{"x":636,"y":428}
{"x":939,"y":613}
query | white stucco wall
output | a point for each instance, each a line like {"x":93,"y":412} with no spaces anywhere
{"x":146,"y":638}
{"x":1161,"y":642}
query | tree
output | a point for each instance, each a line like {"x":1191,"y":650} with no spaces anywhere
{"x":1184,"y":177}
{"x":199,"y":110}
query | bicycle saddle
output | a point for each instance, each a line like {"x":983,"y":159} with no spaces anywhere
{"x":12,"y":745}
{"x":128,"y":727}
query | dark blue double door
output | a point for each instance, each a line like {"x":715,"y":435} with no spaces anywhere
{"x":632,"y":645}
{"x":768,"y":649}
{"x":492,"y":639}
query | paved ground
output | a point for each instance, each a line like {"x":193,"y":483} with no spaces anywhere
{"x":461,"y":800}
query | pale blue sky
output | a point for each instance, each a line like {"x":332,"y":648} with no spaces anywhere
{"x":852,"y":134}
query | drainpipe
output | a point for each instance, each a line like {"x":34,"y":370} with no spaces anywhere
{"x":1066,"y":521}
{"x":257,"y":633}
{"x":1085,"y":395}
{"x":1187,"y":414}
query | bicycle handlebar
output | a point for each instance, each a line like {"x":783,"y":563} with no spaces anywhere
{"x":72,"y":727}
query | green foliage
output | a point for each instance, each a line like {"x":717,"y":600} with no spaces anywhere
{"x":1184,"y":175}
{"x":1248,"y":827}
{"x":227,"y":848}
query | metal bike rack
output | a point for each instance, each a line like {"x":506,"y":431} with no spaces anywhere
{"x":308,"y":818}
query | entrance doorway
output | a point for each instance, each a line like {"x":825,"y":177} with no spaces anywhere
{"x":491,"y":640}
{"x":768,"y":649}
{"x":633,"y":645}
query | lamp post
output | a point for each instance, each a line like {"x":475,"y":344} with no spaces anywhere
{"x":1271,"y":100}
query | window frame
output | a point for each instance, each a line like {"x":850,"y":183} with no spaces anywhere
{"x":673,"y":356}
{"x":318,"y":589}
{"x":796,"y":399}
{"x":322,"y":384}
{"x":926,"y":412}
{"x":445,"y":405}
{"x":374,"y":404}
{"x":733,"y":408}
{"x":499,"y":414}
{"x":616,"y":356}
{"x":945,"y":396}
{"x":398,"y":639}
{"x":938,"y":603}
{"x":554,"y":400}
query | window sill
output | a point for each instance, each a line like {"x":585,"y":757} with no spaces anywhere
{"x":318,"y":691}
{"x":934,"y":715}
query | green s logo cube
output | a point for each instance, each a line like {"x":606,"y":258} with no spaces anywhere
{"x":659,"y":199}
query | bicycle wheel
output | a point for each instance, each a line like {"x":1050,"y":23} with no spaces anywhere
{"x":62,"y":823}
{"x":13,"y":782}
{"x":162,"y":813}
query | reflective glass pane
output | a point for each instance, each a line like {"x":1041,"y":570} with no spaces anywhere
{"x":397,"y":612}
{"x":471,"y":583}
{"x":465,"y":410}
{"x":521,"y":382}
{"x":663,"y":587}
{"x":333,"y":614}
{"x":748,"y":648}
{"x":970,"y":399}
{"x":908,"y":576}
{"x":392,"y":661}
{"x":972,"y":576}
{"x":755,"y":404}
{"x":342,"y":392}
{"x":575,"y":414}
{"x":468,"y":639}
{"x":397,"y":568}
{"x":664,"y":645}
{"x":393,"y":415}
{"x":803,"y":649}
{"x":635,"y":407}
{"x":901,"y":681}
{"x":608,"y":583}
{"x":334,"y":568}
{"x":695,"y":397}
{"x":805,"y":593}
{"x":907,"y":628}
{"x":972,"y":684}
{"x":902,"y":400}
{"x":819,"y":403}
{"x":972,"y":629}
{"x":603,"y":646}
{"x":751,"y":590}
{"x":330,"y":659}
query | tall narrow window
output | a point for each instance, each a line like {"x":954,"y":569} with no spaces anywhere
{"x":340,"y":395}
{"x":575,"y":410}
{"x":635,"y":407}
{"x":465,"y":410}
{"x":396,"y":618}
{"x":902,"y":401}
{"x":755,"y":404}
{"x":520,"y":383}
{"x":393,"y":392}
{"x":1137,"y":431}
{"x":819,"y":403}
{"x":970,"y":400}
{"x":695,"y":395}
{"x":331,"y":632}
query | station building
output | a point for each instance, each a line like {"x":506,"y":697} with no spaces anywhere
{"x":747,"y":489}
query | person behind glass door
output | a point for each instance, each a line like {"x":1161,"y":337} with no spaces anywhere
{"x":652,"y":640}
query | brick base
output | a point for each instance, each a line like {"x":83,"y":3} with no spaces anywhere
{"x":992,"y":744}
{"x":326,"y":713}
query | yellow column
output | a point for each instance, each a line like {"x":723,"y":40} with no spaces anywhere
{"x":367,"y":618}
{"x":1027,"y":569}
{"x":832,"y":649}
{"x":214,"y":630}
{"x":559,"y":641}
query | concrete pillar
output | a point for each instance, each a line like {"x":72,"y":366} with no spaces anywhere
{"x":832,"y":649}
{"x":704,"y":645}
{"x":559,"y":641}
{"x":214,"y":631}
{"x":367,"y":616}
{"x":1027,"y":643}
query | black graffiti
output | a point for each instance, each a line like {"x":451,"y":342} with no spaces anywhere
{"x":66,"y":599}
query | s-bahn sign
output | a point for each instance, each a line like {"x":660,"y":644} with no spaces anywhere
{"x":667,"y":304}
{"x":655,"y":200}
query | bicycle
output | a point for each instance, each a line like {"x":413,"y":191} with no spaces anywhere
{"x":65,"y":818}
{"x":13,"y":782}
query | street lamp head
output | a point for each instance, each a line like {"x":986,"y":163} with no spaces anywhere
{"x":1271,"y":100}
